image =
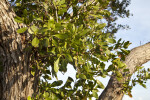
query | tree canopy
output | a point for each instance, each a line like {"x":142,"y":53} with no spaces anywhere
{"x":76,"y":32}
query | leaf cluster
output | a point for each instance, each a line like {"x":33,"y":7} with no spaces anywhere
{"x":73,"y":32}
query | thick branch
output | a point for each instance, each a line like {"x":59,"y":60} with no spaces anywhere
{"x":137,"y":57}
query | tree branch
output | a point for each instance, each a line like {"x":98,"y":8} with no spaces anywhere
{"x":137,"y":57}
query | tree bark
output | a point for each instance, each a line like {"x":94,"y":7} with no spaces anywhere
{"x":16,"y":81}
{"x":137,"y":57}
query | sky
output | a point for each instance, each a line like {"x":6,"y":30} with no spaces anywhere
{"x":139,"y":34}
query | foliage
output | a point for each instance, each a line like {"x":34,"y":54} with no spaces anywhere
{"x":140,"y":78}
{"x":72,"y":32}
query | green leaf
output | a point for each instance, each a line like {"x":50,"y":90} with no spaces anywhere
{"x":80,"y":60}
{"x":125,"y":70}
{"x":22,"y":30}
{"x":35,"y":42}
{"x":46,"y":94}
{"x":119,"y":63}
{"x":30,"y":31}
{"x":125,"y":51}
{"x":82,"y":76}
{"x":56,"y":66}
{"x":25,"y":12}
{"x":68,"y":57}
{"x":95,"y":94}
{"x":143,"y":85}
{"x":18,"y":4}
{"x":84,"y":32}
{"x":100,"y":26}
{"x":18,"y":19}
{"x":45,"y":6}
{"x":103,"y":58}
{"x":100,"y":84}
{"x":70,"y":79}
{"x":29,"y":98}
{"x":51,"y":19}
{"x":110,"y":68}
{"x":46,"y":42}
{"x":38,"y":18}
{"x":59,"y":27}
{"x":30,"y":17}
{"x":146,"y":74}
{"x":43,"y":30}
{"x":34,"y":29}
{"x":119,"y":40}
{"x":63,"y":67}
{"x":61,"y":2}
{"x":57,"y":83}
{"x":111,"y":40}
{"x":126,"y":44}
{"x":55,"y":42}
{"x":61,"y":36}
{"x":68,"y":83}
{"x":73,"y":28}
{"x":103,"y":43}
{"x":32,"y":72}
{"x":51,"y":23}
{"x":119,"y":75}
{"x":47,"y":77}
{"x":53,"y":96}
{"x":107,"y":52}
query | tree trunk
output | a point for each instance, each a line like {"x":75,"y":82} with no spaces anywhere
{"x":16,"y":81}
{"x":137,"y":57}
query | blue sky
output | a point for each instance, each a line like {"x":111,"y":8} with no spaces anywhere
{"x":139,"y":32}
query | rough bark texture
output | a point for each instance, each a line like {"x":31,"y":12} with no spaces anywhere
{"x":137,"y":57}
{"x":16,"y":81}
